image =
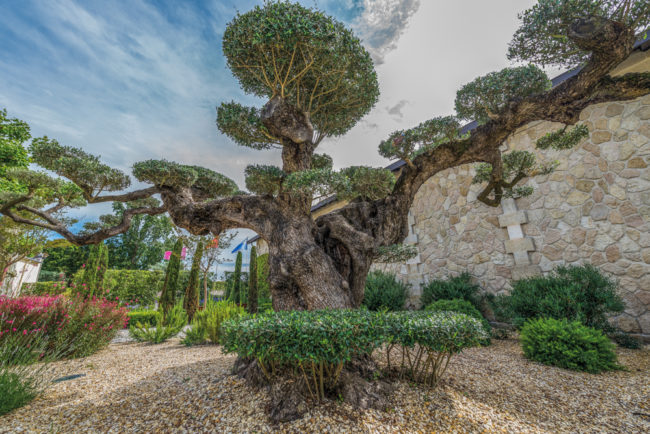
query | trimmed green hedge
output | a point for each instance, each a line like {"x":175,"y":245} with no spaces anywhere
{"x":143,"y":316}
{"x":318,"y":343}
{"x":568,"y":345}
{"x":460,"y":306}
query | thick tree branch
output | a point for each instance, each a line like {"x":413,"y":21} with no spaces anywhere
{"x":126,"y":197}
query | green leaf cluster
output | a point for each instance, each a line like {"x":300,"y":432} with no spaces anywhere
{"x":244,"y":126}
{"x":264,"y":179}
{"x":568,"y":345}
{"x":407,"y":144}
{"x":85,"y":170}
{"x":357,"y":181}
{"x":163,"y":173}
{"x":300,"y":54}
{"x":13,"y":133}
{"x":543,"y":35}
{"x":563,"y":139}
{"x":486,"y":96}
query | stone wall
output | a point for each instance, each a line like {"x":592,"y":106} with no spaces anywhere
{"x":595,"y":208}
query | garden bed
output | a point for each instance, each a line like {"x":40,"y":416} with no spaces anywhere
{"x":147,"y":388}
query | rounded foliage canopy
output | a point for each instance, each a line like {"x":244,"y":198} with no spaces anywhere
{"x":486,"y":96}
{"x":310,"y":59}
{"x":543,"y":35}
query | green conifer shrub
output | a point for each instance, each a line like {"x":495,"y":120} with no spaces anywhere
{"x":192,"y":291}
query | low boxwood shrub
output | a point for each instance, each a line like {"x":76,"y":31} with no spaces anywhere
{"x":576,"y":293}
{"x":384,"y":292}
{"x":145,"y":316}
{"x":567,"y":344}
{"x":429,"y":340}
{"x":317,"y":344}
{"x":461,"y":306}
{"x":455,"y":287}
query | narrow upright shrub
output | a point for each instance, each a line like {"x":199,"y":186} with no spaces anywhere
{"x":569,"y":345}
{"x":192,"y":291}
{"x":90,"y":268}
{"x":263,"y":291}
{"x":252,"y":282}
{"x":384,"y":292}
{"x":456,"y":287}
{"x":168,"y":294}
{"x":235,"y":292}
{"x":102,"y":267}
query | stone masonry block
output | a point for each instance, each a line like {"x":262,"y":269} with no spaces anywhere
{"x":515,"y":218}
{"x":520,"y":245}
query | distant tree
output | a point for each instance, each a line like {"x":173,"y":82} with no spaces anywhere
{"x":66,"y":259}
{"x":252,"y":282}
{"x":191,"y":301}
{"x":318,"y":81}
{"x":235,"y":291}
{"x":144,"y":243}
{"x":168,"y":294}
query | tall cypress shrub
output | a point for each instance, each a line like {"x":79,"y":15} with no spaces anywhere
{"x":102,"y":266}
{"x":191,"y":301}
{"x":168,"y":294}
{"x":252,"y":282}
{"x":235,"y":293}
{"x":89,"y":278}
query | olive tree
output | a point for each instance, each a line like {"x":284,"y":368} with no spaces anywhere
{"x":318,"y":81}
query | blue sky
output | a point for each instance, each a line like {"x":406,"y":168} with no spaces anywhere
{"x":133,"y":79}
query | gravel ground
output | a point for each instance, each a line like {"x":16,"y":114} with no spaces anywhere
{"x":132,"y":387}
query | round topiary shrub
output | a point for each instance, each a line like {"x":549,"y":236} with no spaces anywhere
{"x":461,"y":306}
{"x":568,"y":345}
{"x":384,"y":292}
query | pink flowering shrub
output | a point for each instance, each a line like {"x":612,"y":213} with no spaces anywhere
{"x":73,"y":327}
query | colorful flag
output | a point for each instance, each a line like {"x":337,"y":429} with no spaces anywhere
{"x":168,"y":255}
{"x":240,"y":245}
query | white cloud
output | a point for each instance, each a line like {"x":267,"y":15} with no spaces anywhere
{"x":382,"y":23}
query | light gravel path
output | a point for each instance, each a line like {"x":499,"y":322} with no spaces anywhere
{"x":133,"y":387}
